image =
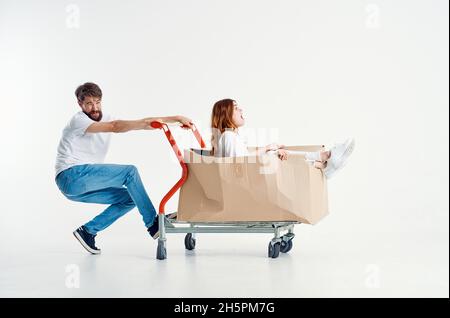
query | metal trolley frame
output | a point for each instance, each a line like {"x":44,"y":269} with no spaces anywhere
{"x":279,"y":243}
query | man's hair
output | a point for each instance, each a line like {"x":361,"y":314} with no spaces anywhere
{"x":88,"y":89}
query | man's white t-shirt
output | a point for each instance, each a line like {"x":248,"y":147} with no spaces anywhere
{"x":77,"y":147}
{"x":231,"y":144}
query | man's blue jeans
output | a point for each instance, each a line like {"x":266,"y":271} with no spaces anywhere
{"x":117,"y":185}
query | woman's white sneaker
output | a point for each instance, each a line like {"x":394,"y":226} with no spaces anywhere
{"x":329,"y":170}
{"x":339,"y":157}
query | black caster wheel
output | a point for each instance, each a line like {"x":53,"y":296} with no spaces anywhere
{"x":274,"y":250}
{"x":286,"y":246}
{"x":161,"y":252}
{"x":189,"y":242}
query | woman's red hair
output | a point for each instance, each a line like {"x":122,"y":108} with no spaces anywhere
{"x":221,"y":120}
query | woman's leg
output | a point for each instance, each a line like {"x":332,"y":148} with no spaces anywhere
{"x":313,"y":157}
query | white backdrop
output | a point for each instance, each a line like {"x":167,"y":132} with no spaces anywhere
{"x":315,"y":71}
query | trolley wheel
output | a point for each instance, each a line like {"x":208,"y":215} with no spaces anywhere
{"x":286,"y":246}
{"x":189,"y":242}
{"x":161,"y":252}
{"x":274,"y":250}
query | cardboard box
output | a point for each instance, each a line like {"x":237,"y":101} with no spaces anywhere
{"x":253,"y":189}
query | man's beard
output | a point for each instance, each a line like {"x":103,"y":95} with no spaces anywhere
{"x":92,"y":114}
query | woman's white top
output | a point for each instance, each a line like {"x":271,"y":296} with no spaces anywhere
{"x":231,"y":144}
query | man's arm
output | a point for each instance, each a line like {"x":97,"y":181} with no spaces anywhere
{"x":171,"y":119}
{"x":119,"y":126}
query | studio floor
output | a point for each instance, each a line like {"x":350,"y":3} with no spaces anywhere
{"x":233,"y":265}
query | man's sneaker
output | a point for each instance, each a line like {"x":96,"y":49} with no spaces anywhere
{"x":87,"y":240}
{"x":154,"y":228}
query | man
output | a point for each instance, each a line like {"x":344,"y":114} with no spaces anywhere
{"x":81,"y":175}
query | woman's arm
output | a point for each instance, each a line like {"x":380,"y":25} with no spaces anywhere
{"x":282,"y":154}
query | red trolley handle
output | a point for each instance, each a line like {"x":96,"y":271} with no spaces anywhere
{"x":172,"y":142}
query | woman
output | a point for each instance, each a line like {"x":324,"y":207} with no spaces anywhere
{"x":227,"y":118}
